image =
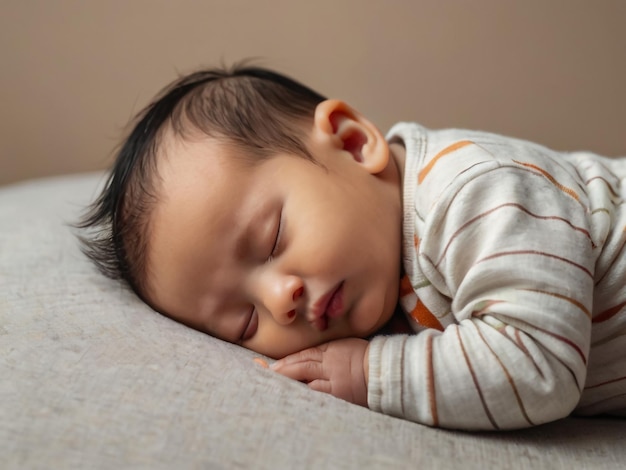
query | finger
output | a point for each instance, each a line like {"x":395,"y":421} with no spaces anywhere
{"x":320,"y":385}
{"x":306,"y":355}
{"x":302,"y":371}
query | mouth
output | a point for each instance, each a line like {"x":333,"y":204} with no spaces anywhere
{"x":327,"y":307}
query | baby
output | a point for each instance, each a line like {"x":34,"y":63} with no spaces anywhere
{"x":250,"y":207}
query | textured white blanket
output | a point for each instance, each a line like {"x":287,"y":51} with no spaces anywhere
{"x":92,"y":378}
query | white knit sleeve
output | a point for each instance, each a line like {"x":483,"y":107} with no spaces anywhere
{"x":512,"y":250}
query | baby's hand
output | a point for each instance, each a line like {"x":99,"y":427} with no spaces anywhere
{"x":337,"y":367}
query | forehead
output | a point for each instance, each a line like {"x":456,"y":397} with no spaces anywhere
{"x":182,"y":162}
{"x":202,"y":184}
{"x":198,"y":173}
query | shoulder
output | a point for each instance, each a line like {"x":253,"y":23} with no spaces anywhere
{"x":439,"y":160}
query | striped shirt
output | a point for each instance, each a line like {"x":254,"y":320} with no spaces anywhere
{"x":515,"y":282}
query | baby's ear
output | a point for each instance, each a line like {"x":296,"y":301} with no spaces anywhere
{"x":346,"y":129}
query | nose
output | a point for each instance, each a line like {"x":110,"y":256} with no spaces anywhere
{"x":280,"y":295}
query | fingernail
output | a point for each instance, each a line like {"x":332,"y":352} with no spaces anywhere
{"x":261,"y":362}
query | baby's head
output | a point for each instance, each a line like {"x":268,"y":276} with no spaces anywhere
{"x":248,"y":206}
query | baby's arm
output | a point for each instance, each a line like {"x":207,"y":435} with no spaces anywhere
{"x":338,"y":367}
{"x":512,"y":248}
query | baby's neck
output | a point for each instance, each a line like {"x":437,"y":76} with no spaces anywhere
{"x":398,"y":157}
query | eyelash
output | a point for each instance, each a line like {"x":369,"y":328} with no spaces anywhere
{"x":277,"y":240}
{"x":250,"y":320}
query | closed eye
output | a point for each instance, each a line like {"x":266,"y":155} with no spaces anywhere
{"x":276,"y":245}
{"x":251,"y":326}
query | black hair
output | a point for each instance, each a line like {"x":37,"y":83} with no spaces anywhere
{"x":258,"y":110}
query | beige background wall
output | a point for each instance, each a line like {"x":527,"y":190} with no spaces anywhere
{"x":72,"y":72}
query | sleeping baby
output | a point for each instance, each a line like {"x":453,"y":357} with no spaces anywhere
{"x":454,"y":278}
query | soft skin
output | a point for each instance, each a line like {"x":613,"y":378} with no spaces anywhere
{"x":283,"y":255}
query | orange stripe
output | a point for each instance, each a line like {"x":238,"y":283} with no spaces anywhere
{"x":405,"y":286}
{"x":552,"y":179}
{"x":567,"y":341}
{"x":425,"y":317}
{"x":509,"y":378}
{"x":522,"y":347}
{"x":619,"y":379}
{"x":430,"y":380}
{"x":403,"y":350}
{"x":604,"y":316}
{"x":562,"y":297}
{"x":609,"y":185}
{"x":451,"y":148}
{"x":609,"y":268}
{"x":485,"y":306}
{"x":475,"y":380}
{"x":539,"y":253}
{"x":515,"y":206}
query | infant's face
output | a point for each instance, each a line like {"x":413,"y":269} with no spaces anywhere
{"x":276,"y":256}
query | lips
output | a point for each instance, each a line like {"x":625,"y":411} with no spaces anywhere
{"x":329,"y":306}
